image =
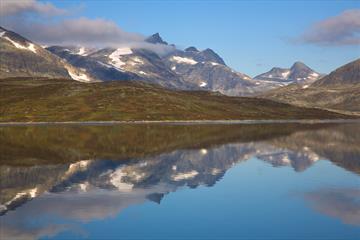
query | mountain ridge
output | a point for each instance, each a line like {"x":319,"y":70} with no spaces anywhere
{"x":298,"y":73}
{"x":339,"y":91}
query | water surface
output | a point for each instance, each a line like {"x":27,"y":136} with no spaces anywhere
{"x":173,"y":181}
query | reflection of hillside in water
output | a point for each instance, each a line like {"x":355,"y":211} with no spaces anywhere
{"x":95,"y":189}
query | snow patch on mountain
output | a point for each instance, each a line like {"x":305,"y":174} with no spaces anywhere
{"x":115,"y":56}
{"x":123,"y":51}
{"x":285,"y":74}
{"x":183,"y":60}
{"x":81,"y":77}
{"x":202,"y":84}
{"x":31,"y":46}
{"x":185,"y":175}
{"x":82,"y":51}
{"x":116,"y":179}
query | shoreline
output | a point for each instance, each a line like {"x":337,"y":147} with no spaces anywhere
{"x":182,"y":122}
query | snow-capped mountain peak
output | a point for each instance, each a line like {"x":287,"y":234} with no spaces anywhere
{"x":297,"y":73}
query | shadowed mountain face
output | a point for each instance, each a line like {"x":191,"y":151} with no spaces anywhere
{"x":86,"y":173}
{"x":155,"y":39}
{"x":348,"y":74}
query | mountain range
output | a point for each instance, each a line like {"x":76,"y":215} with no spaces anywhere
{"x":189,"y":69}
{"x":297,"y":73}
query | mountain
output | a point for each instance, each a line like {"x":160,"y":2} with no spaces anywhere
{"x":207,"y":70}
{"x":56,"y":100}
{"x":346,"y":75}
{"x":298,"y":73}
{"x":95,"y":68}
{"x":19,"y":57}
{"x":188,"y":69}
{"x":155,"y":39}
{"x":110,"y":64}
{"x":339,"y":91}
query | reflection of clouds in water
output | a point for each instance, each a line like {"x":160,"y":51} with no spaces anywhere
{"x":79,"y":207}
{"x":339,"y":203}
{"x":93,"y":205}
{"x":16,"y":233}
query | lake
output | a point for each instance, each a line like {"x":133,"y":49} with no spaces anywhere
{"x":180,"y":181}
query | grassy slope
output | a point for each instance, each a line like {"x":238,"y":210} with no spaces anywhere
{"x":341,"y":98}
{"x":65,"y":100}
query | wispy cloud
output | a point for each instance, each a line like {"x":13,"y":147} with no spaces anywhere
{"x":81,"y":30}
{"x":340,"y":203}
{"x":11,"y":7}
{"x":343,"y":29}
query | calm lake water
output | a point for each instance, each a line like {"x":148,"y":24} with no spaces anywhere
{"x":163,"y":181}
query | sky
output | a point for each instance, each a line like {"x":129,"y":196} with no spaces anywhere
{"x":251,"y":36}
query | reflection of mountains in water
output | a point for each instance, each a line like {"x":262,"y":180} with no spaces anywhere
{"x":153,"y":175}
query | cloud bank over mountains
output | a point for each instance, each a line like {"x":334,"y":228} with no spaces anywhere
{"x":48,"y":24}
{"x":12,"y":7}
{"x":31,"y":19}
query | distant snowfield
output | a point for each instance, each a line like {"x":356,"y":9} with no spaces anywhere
{"x":82,"y":51}
{"x":115,"y":56}
{"x":184,"y":176}
{"x":203,"y":84}
{"x":285,"y":74}
{"x":81,"y":77}
{"x":184,"y":60}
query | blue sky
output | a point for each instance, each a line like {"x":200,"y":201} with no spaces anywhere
{"x":251,"y":36}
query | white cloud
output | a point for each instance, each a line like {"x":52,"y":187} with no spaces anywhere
{"x":343,"y":29}
{"x":42,"y":28}
{"x":11,"y":7}
{"x":81,"y":30}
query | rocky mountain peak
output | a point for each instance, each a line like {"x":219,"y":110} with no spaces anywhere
{"x":155,"y":39}
{"x":191,"y":49}
{"x":212,"y":56}
{"x":297,"y":66}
